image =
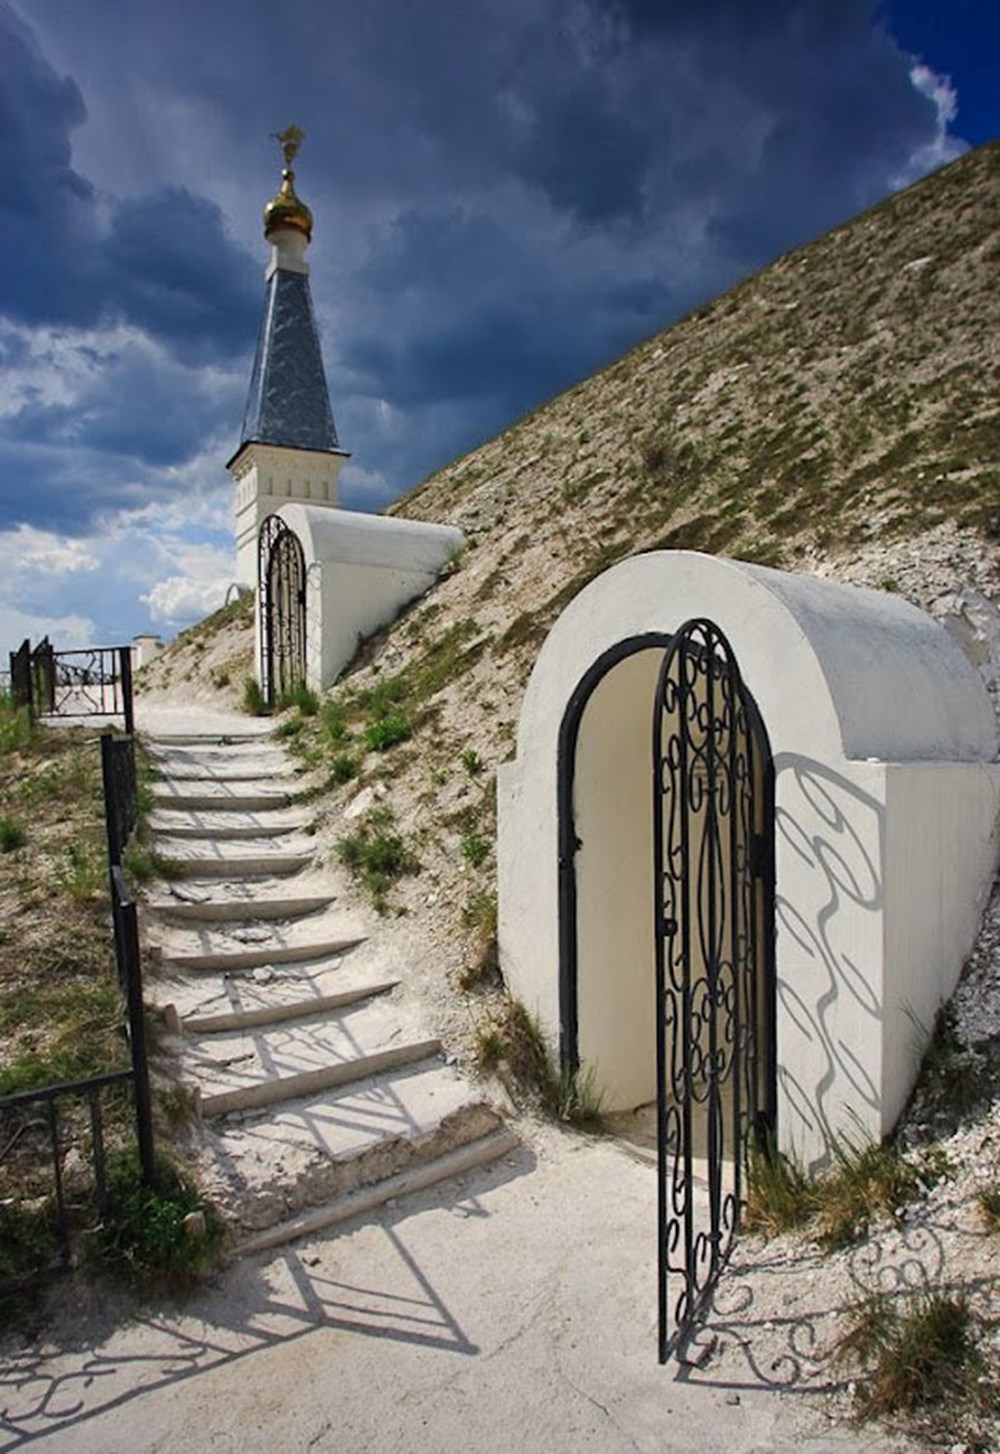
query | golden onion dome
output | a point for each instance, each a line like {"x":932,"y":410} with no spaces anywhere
{"x":287,"y":210}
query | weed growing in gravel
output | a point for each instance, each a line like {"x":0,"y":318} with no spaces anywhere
{"x":386,"y":732}
{"x":918,"y":1355}
{"x":15,"y":726}
{"x":377,"y":856}
{"x":865,"y":1180}
{"x":989,"y":1204}
{"x":253,"y":698}
{"x":12,"y":835}
{"x":343,"y":767}
{"x":148,"y":1234}
{"x":509,"y":1044}
{"x":475,"y":849}
{"x":302,"y":697}
{"x":472,"y":762}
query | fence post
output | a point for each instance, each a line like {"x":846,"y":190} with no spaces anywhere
{"x":20,"y":676}
{"x":127,"y":936}
{"x":43,"y":673}
{"x":125,"y":671}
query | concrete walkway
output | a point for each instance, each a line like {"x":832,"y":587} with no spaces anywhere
{"x":512,"y":1312}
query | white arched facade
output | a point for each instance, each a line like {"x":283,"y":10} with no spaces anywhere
{"x":887,"y":794}
{"x":361,"y":570}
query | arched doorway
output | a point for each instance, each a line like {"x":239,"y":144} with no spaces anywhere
{"x":281,"y":603}
{"x":666,"y":887}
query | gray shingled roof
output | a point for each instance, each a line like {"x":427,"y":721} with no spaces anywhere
{"x":288,"y":402}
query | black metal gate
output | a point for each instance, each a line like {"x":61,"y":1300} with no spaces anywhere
{"x":281,"y":579}
{"x":713,"y":837}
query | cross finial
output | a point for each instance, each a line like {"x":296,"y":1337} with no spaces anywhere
{"x":290,"y":140}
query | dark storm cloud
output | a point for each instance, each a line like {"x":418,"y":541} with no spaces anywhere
{"x":162,"y":262}
{"x":507,"y":194}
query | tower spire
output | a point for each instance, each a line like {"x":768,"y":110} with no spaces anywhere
{"x":288,"y":443}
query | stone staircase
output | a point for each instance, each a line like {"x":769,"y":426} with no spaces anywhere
{"x":320,"y":1094}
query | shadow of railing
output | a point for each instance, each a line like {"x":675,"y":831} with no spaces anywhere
{"x":265,"y":1305}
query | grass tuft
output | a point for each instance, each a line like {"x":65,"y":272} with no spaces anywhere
{"x":988,"y":1198}
{"x":385,"y":732}
{"x":509,"y":1043}
{"x":159,"y":1234}
{"x":253,"y":698}
{"x":865,"y":1180}
{"x":12,"y":835}
{"x":377,"y":856}
{"x":917,"y":1355}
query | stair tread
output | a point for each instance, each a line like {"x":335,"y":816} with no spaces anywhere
{"x":470,"y":1156}
{"x":276,"y":985}
{"x":230,"y":1060}
{"x":357,"y":1135}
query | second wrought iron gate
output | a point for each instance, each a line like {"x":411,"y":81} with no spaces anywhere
{"x":713,"y":880}
{"x":281,"y":581}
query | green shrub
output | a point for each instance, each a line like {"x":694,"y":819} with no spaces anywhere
{"x":144,"y":1235}
{"x":377,"y":856}
{"x":475,"y":849}
{"x":12,"y":835}
{"x":343,"y":767}
{"x":385,"y":732}
{"x":472,"y":762}
{"x":253,"y":698}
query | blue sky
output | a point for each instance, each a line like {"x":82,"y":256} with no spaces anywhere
{"x":507,"y":193}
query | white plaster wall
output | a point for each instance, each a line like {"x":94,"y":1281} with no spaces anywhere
{"x":829,"y":919}
{"x":144,"y":648}
{"x":941,"y":855}
{"x":614,"y":883}
{"x":839,"y":675}
{"x":266,"y":477}
{"x":360,"y":571}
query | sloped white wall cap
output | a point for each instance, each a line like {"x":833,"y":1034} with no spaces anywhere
{"x":836,"y":671}
{"x":354,"y":538}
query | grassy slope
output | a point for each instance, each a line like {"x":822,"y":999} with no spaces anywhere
{"x":60,"y":1010}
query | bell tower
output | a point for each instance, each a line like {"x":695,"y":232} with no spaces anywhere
{"x":288,"y":447}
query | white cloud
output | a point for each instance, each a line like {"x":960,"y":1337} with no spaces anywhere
{"x":26,"y":549}
{"x":200,"y":587}
{"x":944,"y":147}
{"x":65,"y":632}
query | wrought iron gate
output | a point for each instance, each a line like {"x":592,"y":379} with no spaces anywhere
{"x":713,"y":864}
{"x":281,"y":581}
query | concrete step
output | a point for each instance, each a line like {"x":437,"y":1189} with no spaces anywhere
{"x":230,"y":960}
{"x":268,"y":987}
{"x":174,"y":907}
{"x":239,"y":737}
{"x":244,"y":866}
{"x":469,"y":1157}
{"x":222,"y":826}
{"x":271,"y":1164}
{"x":205,"y":775}
{"x":235,"y":1070}
{"x":265,"y":751}
{"x":239,"y":1021}
{"x":237,"y":798}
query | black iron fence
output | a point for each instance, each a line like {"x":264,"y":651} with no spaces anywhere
{"x":47,"y":1137}
{"x":45,"y":1133}
{"x":94,"y":681}
{"x":121,"y":803}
